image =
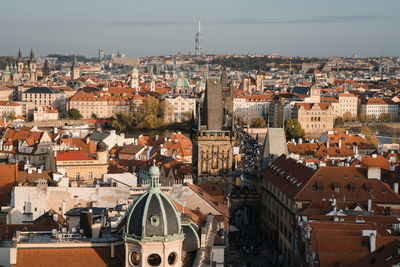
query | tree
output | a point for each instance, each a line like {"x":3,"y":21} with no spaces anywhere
{"x":367,"y":132}
{"x":258,"y":123}
{"x":93,"y":116}
{"x":347,"y":116}
{"x":74,"y":114}
{"x":386,"y":117}
{"x":339,"y":122}
{"x":363,"y":118}
{"x":123,"y":121}
{"x":293,"y":129}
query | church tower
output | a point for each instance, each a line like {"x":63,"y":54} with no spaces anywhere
{"x":134,"y":82}
{"x":260,"y":81}
{"x":32,"y":67}
{"x":154,"y":235}
{"x":75,"y":70}
{"x":315,"y":92}
{"x":20,"y":62}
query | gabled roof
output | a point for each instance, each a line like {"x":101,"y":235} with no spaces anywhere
{"x":352,"y":183}
{"x":288,"y":175}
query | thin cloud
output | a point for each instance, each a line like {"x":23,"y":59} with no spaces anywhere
{"x":149,"y":23}
{"x":320,"y":19}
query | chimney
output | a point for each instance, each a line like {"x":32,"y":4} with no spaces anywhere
{"x":86,"y":222}
{"x":372,"y":242}
{"x":87,"y":140}
{"x":369,"y":205}
{"x":340,"y":143}
{"x":327,"y":143}
{"x":300,"y":141}
{"x":112,"y":249}
{"x":396,"y":187}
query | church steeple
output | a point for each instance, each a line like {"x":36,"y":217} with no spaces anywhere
{"x":315,"y":92}
{"x":32,"y":56}
{"x":19,"y":58}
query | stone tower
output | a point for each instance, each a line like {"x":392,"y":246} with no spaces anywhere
{"x":102,"y":152}
{"x":32,"y":67}
{"x":213,"y":142}
{"x":315,"y":92}
{"x":260,"y":81}
{"x":75,"y":70}
{"x":134,"y":82}
{"x":154,"y":235}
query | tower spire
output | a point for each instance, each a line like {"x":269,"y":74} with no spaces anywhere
{"x":19,"y":55}
{"x":32,"y":55}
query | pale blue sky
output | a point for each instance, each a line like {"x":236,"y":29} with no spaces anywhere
{"x":163,"y":27}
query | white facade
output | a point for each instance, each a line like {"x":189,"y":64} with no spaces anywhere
{"x":250,"y":110}
{"x":9,"y":107}
{"x":32,"y":202}
{"x":181,"y":106}
{"x":45,"y":114}
{"x":348,"y":103}
{"x":374,"y":110}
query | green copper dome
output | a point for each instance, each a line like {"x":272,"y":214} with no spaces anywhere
{"x":154,"y":171}
{"x":201,"y":84}
{"x":181,"y":81}
{"x":153,"y":215}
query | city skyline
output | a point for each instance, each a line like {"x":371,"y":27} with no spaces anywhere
{"x":313,"y":28}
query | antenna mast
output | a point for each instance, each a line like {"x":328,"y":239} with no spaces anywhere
{"x":198,"y":41}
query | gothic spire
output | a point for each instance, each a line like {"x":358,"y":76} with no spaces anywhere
{"x":32,"y":55}
{"x":19,"y":55}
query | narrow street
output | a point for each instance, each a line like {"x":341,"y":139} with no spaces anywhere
{"x":247,"y":244}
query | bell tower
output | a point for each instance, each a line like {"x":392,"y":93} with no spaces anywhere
{"x":134,"y":82}
{"x":75,"y":70}
{"x":315,"y":92}
{"x":32,"y":66}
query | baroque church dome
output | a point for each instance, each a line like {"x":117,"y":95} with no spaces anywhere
{"x":153,"y":215}
{"x":181,"y":81}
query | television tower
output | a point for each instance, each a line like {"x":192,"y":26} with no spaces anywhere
{"x":198,"y":41}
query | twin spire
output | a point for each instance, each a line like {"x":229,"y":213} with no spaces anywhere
{"x":31,"y":56}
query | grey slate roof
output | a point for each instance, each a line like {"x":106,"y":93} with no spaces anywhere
{"x":99,"y":136}
{"x":274,"y":145}
{"x":95,"y":211}
{"x":42,"y":90}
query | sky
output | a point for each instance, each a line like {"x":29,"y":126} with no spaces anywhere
{"x":165,"y":27}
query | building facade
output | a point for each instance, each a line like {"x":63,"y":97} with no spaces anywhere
{"x":45,"y":96}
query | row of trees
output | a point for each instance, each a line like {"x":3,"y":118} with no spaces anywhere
{"x":148,"y":116}
{"x":347,"y":117}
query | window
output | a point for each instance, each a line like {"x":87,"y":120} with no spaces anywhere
{"x":172,"y":258}
{"x":154,"y":260}
{"x":77,"y":176}
{"x":90,"y":175}
{"x":135,"y":258}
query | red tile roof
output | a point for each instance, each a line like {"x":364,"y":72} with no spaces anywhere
{"x":72,"y":155}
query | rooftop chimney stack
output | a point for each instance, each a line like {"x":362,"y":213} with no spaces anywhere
{"x":369,"y":205}
{"x":372,"y":242}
